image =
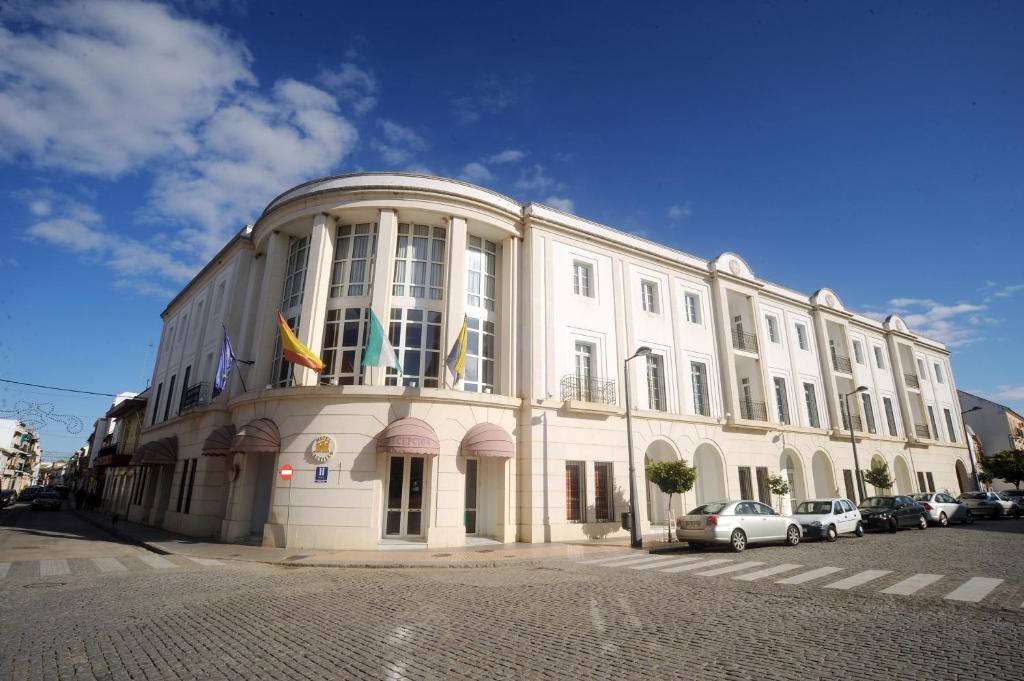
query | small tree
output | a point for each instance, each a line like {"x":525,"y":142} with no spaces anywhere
{"x":985,"y":477}
{"x":879,"y":476}
{"x":778,"y":486}
{"x":1008,"y":465}
{"x":672,"y":477}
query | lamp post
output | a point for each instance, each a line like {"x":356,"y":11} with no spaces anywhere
{"x":970,"y":447}
{"x":853,"y":441}
{"x":635,"y":540}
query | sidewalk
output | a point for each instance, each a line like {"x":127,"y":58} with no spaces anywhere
{"x":487,"y":555}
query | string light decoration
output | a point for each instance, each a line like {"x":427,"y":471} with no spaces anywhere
{"x":38,"y":415}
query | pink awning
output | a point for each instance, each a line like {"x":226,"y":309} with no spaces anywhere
{"x":408,"y":436}
{"x":487,"y":439}
{"x":260,"y":436}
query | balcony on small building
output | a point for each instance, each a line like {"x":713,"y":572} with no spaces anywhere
{"x":837,"y":348}
{"x":921,"y":430}
{"x":912,"y":381}
{"x":753,"y":411}
{"x":196,"y":395}
{"x":742,"y":323}
{"x":841,"y":363}
{"x":858,"y":425}
{"x":588,"y":389}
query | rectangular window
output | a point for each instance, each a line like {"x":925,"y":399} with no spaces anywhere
{"x":935,"y":425}
{"x":140,"y":489}
{"x":938,"y":373}
{"x":656,"y":382}
{"x":858,"y":352}
{"x":170,"y":397}
{"x":649,"y":296}
{"x":355,"y":248}
{"x":344,"y":340}
{"x":472,"y":468}
{"x":949,"y":425}
{"x":295,"y":275}
{"x":811,"y":400}
{"x":184,"y":386}
{"x":482,"y":272}
{"x":156,"y":403}
{"x":763,"y":495}
{"x":869,"y":412}
{"x":181,"y":486}
{"x":699,"y":379}
{"x":282,"y":374}
{"x":773,"y":328}
{"x":879,"y":357}
{"x":781,"y":399}
{"x":921,"y":370}
{"x":574,"y":491}
{"x":479,"y":375}
{"x":801,"y":337}
{"x":419,"y":261}
{"x":416,"y":337}
{"x":603,"y":489}
{"x":746,"y":488}
{"x":851,"y":489}
{"x":692,"y":308}
{"x":844,"y":412}
{"x":890,"y":416}
{"x":921,"y":484}
{"x":931,"y":482}
{"x":191,"y":484}
{"x":582,"y":277}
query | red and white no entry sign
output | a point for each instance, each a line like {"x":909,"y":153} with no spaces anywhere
{"x":286,"y":472}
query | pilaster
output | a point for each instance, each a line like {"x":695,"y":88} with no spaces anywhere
{"x":383,"y":273}
{"x":265,"y":330}
{"x":314,"y":295}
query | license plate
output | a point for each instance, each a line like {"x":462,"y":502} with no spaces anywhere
{"x":692,"y":524}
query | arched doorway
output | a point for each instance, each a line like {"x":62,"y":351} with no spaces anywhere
{"x":710,"y":485}
{"x":962,"y":479}
{"x":824,"y":477}
{"x":904,"y":482}
{"x":793,"y":470}
{"x":657,"y":502}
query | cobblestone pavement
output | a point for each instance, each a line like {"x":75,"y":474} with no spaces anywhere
{"x":553,"y":619}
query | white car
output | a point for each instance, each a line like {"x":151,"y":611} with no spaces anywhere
{"x":943,"y":508}
{"x":737,"y":523}
{"x":829,"y":518}
{"x":989,"y":504}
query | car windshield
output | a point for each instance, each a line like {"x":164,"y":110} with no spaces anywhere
{"x":921,"y":497}
{"x":814,"y":507}
{"x":707,"y":509}
{"x":975,"y":495}
{"x":877,"y":502}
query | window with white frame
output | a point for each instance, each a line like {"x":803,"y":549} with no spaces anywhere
{"x":482,"y":268}
{"x":282,"y":372}
{"x":869,"y":412}
{"x":344,"y":340}
{"x":656,"y":383}
{"x":939,"y":377}
{"x":419,"y":261}
{"x":811,"y":402}
{"x":935,"y":425}
{"x":649,"y":296}
{"x":416,"y":337}
{"x":772,"y":322}
{"x":692,"y":302}
{"x":582,"y":278}
{"x":354,"y":249}
{"x":781,"y":399}
{"x":858,"y":352}
{"x":921,"y":370}
{"x":950,"y":429}
{"x":699,"y":381}
{"x":479,"y":375}
{"x":801,"y":336}
{"x":879,"y":357}
{"x":890,"y":416}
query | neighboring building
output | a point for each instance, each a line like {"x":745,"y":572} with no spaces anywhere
{"x":998,"y":427}
{"x":103,"y":447}
{"x":745,"y":379}
{"x":120,"y":478}
{"x":19,"y":454}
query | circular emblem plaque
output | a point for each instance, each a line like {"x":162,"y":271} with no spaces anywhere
{"x":900,"y":325}
{"x":323,"y":448}
{"x":734,"y":267}
{"x":830,"y":300}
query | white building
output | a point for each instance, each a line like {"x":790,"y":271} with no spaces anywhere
{"x":744,"y":380}
{"x":998,"y":427}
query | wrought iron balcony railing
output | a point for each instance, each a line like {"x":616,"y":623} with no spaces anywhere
{"x":857,"y":424}
{"x":194,"y":396}
{"x":922,"y":430}
{"x":744,"y":341}
{"x":912,"y":381}
{"x":840,"y":363}
{"x":588,"y":389}
{"x":753,"y":411}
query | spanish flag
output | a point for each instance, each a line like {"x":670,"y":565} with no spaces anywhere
{"x":457,"y":357}
{"x":294,"y":349}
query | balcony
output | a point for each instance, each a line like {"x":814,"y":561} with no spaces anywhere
{"x":588,"y":389}
{"x":753,"y":411}
{"x":921,"y":430}
{"x":858,"y":425}
{"x":840,"y":363}
{"x":196,"y":395}
{"x":744,"y":341}
{"x":912,"y":382}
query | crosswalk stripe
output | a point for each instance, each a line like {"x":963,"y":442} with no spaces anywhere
{"x":602,"y":559}
{"x":204,"y":561}
{"x":674,"y":561}
{"x":808,"y":576}
{"x":53,"y":568}
{"x":973,"y":590}
{"x":4,"y":569}
{"x":626,"y":561}
{"x":109,"y":565}
{"x":857,"y":579}
{"x":729,"y":568}
{"x":155,"y":561}
{"x":768,"y":572}
{"x":912,"y":585}
{"x":697,"y":566}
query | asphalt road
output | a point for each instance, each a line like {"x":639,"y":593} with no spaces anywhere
{"x":76,"y":604}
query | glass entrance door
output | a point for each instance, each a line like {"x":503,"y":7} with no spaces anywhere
{"x":472,"y":477}
{"x":403,"y":515}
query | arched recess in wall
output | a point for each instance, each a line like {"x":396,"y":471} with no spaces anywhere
{"x":710,"y":485}
{"x":792,"y":468}
{"x":823,"y":474}
{"x":901,"y":471}
{"x":657,"y":502}
{"x":962,"y":478}
{"x":875,"y":459}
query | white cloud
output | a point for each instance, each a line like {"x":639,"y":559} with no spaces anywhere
{"x":353,"y":84}
{"x":400,"y":144}
{"x":507,"y":156}
{"x":561,"y":203}
{"x":676,"y":213}
{"x":955,"y":325}
{"x":1005,"y":392}
{"x":535,"y":179}
{"x":476,"y":172}
{"x":40,"y":207}
{"x":490,"y":96}
{"x":1007,"y":291}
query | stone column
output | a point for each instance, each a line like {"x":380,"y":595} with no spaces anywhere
{"x":314,"y":295}
{"x":383,"y":274}
{"x":265,"y":328}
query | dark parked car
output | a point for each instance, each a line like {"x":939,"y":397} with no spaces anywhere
{"x":30,"y":493}
{"x":892,"y":513}
{"x":47,"y":500}
{"x":7,"y":497}
{"x":63,"y":490}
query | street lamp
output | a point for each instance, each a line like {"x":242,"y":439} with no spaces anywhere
{"x":853,"y":440}
{"x":970,"y":449}
{"x":635,"y":540}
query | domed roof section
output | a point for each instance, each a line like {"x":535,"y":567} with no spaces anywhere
{"x":826,"y":297}
{"x":732,"y":264}
{"x":895,"y":323}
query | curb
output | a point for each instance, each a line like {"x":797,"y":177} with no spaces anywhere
{"x":109,"y":529}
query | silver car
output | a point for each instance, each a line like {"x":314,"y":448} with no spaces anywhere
{"x":989,"y":504}
{"x":737,"y":523}
{"x":943,"y":508}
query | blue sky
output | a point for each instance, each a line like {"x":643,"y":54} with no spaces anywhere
{"x":877,"y":149}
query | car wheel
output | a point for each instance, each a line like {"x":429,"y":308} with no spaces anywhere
{"x":922,"y":524}
{"x":943,"y":520}
{"x":831,"y":534}
{"x":738,"y":541}
{"x":860,"y":529}
{"x":893,"y":525}
{"x":793,"y":535}
{"x":969,"y":518}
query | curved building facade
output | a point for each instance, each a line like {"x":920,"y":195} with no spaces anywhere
{"x":745,"y":379}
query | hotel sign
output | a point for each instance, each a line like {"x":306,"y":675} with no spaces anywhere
{"x":323,"y":448}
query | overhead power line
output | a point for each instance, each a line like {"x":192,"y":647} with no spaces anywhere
{"x":52,"y":387}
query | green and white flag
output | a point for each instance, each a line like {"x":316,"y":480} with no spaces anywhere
{"x":379,"y":352}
